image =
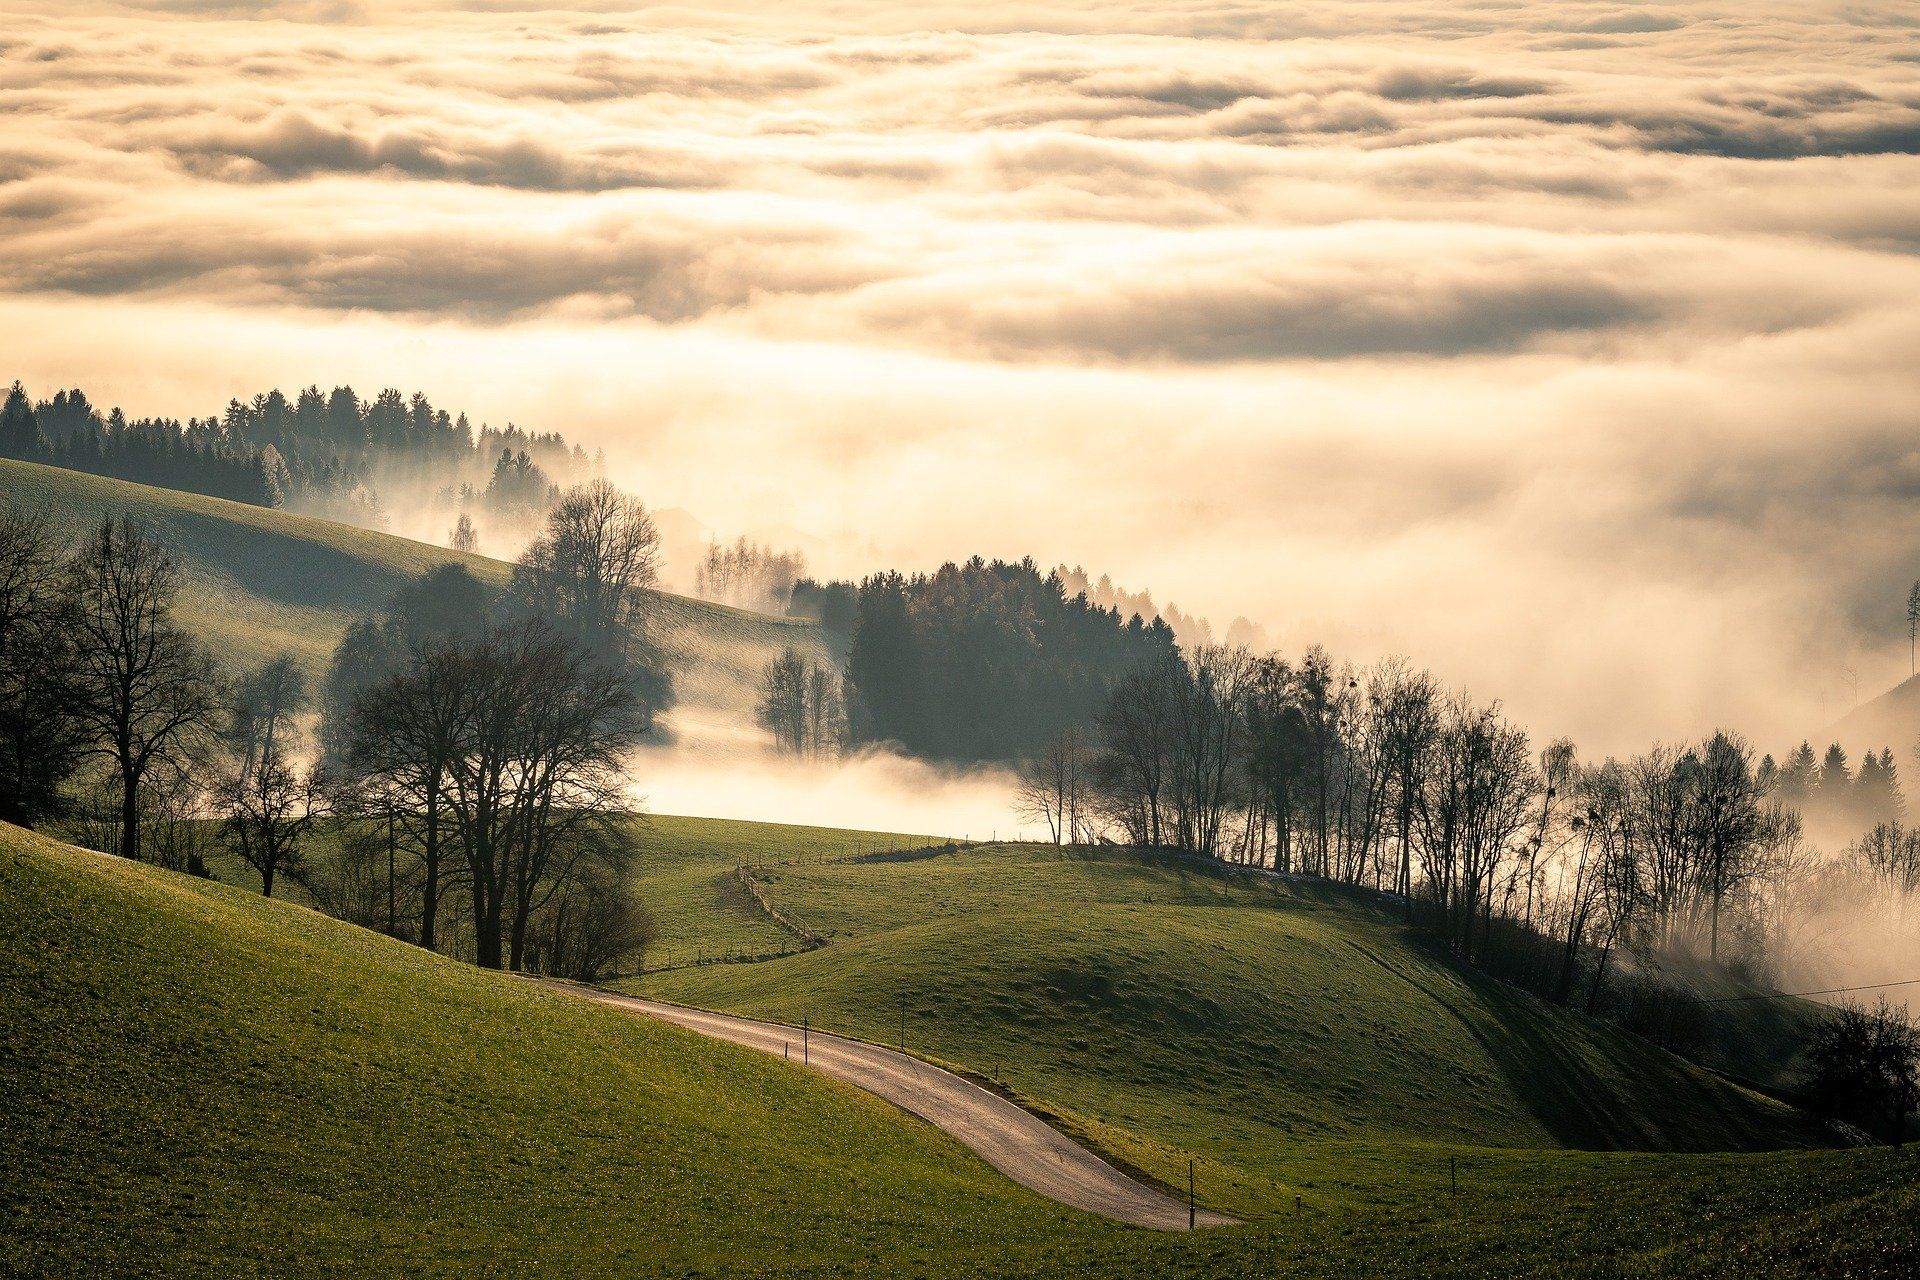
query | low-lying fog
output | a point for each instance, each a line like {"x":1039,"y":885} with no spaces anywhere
{"x":714,"y":767}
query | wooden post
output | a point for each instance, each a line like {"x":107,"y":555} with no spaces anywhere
{"x":1453,"y":1174}
{"x":1190,"y":1215}
{"x":806,"y":1049}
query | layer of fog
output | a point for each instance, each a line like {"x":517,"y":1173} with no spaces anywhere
{"x":712,"y":765}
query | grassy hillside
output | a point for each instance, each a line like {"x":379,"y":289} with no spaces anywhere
{"x":262,"y":582}
{"x":199,"y":1082}
{"x":1287,"y":1035}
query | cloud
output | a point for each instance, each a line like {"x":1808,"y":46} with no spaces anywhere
{"x":1565,"y":345}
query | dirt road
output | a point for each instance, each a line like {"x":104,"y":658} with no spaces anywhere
{"x":1014,"y":1141}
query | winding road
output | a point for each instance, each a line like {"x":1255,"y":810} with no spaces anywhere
{"x":1015,"y":1142}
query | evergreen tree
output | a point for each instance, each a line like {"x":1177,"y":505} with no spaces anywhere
{"x":19,"y":428}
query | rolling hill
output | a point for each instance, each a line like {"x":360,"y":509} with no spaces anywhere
{"x":200,"y":1080}
{"x":1168,"y":1008}
{"x":263,"y":582}
{"x":197,"y":1081}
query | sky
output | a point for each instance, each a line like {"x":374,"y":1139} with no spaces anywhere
{"x":1567,"y":348}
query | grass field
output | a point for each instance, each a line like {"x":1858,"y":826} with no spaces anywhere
{"x":200,"y":1082}
{"x":1290,"y":1036}
{"x":684,"y":874}
{"x":219,"y":1083}
{"x":263,"y":582}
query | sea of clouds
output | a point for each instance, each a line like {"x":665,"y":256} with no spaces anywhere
{"x":1567,"y":347}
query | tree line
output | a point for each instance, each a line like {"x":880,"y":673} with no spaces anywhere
{"x":471,"y":744}
{"x":981,"y":661}
{"x":1577,"y":879}
{"x":333,"y":454}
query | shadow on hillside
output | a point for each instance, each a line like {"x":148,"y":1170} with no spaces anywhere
{"x":1584,"y":1081}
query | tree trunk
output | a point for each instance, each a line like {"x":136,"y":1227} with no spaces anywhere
{"x":129,"y":813}
{"x":430,"y":891}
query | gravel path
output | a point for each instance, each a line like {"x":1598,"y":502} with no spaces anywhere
{"x":1015,"y":1142}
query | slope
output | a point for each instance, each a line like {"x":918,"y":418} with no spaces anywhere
{"x":1286,"y":1033}
{"x":262,"y":582}
{"x":197,"y":1080}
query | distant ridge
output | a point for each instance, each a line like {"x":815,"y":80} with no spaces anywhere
{"x":262,"y":582}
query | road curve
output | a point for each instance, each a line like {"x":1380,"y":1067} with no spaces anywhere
{"x":1016,"y":1142}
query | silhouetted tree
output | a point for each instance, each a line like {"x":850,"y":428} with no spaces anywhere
{"x":268,"y":808}
{"x":41,"y":738}
{"x":146,"y":694}
{"x":1864,"y":1064}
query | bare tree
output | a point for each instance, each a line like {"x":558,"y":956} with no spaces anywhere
{"x":1053,"y":787}
{"x":1207,"y":736}
{"x":588,"y":569}
{"x":463,"y":537}
{"x":268,"y":810}
{"x":404,"y":737}
{"x":1479,"y":785}
{"x":1138,"y":728}
{"x":1913,"y":628}
{"x":41,"y":739}
{"x":1865,"y":1064}
{"x":264,"y":704}
{"x":801,"y":705}
{"x":146,"y":694}
{"x":537,"y":784}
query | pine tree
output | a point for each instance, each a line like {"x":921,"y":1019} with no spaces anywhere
{"x":19,"y":429}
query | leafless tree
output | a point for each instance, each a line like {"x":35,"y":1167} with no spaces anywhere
{"x":1053,"y":787}
{"x":588,"y":570}
{"x":1479,"y":786}
{"x":267,"y":812}
{"x":538,"y":783}
{"x":463,"y":537}
{"x":1138,"y":729}
{"x":147,"y":695}
{"x":404,"y":737}
{"x":41,"y":739}
{"x":801,"y":705}
{"x":589,"y":927}
{"x":1207,"y":733}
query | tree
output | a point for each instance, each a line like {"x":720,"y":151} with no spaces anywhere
{"x":587,"y":570}
{"x":145,"y":693}
{"x":800,"y":705}
{"x":1053,"y":787}
{"x":1913,"y":629}
{"x":402,"y":739}
{"x":19,"y":430}
{"x":268,"y":809}
{"x":463,"y":537}
{"x":264,"y":704}
{"x":1865,"y":1064}
{"x":1729,"y":823}
{"x":41,"y":738}
{"x":587,"y":576}
{"x":537,"y":786}
{"x":590,"y":927}
{"x":1135,"y":767}
{"x":749,"y":575}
